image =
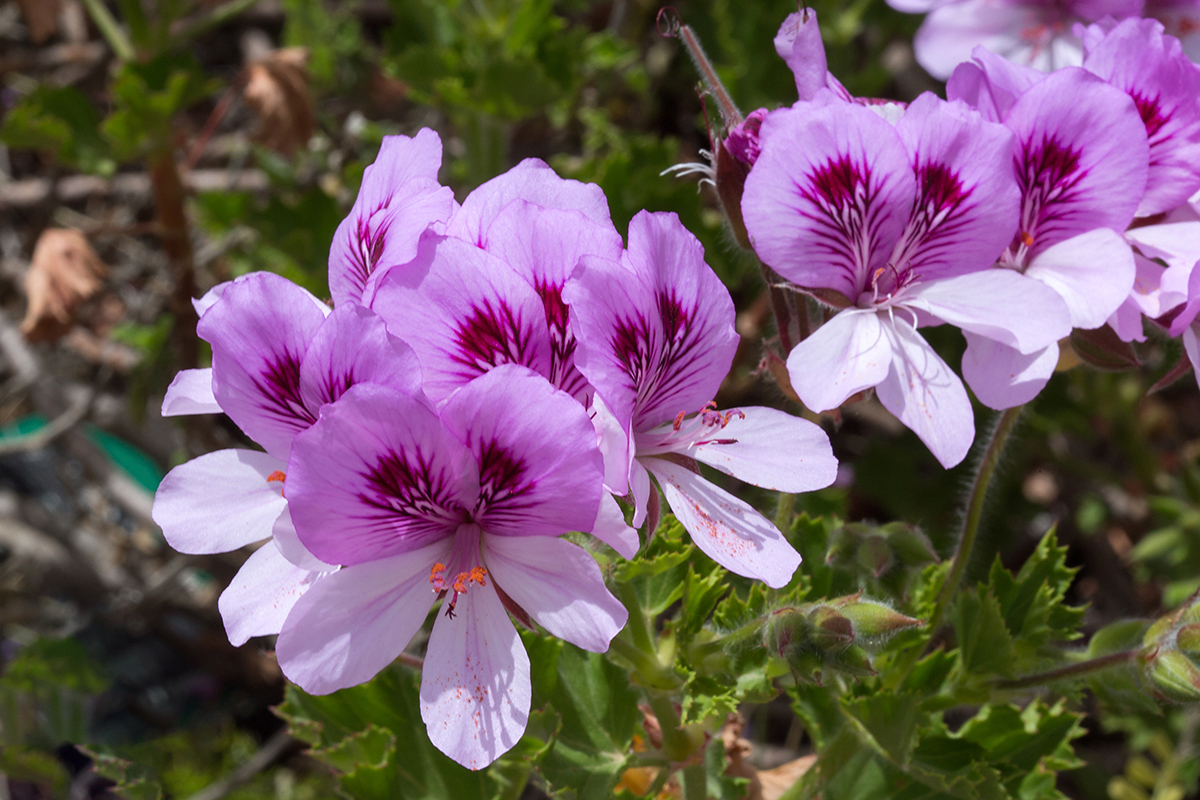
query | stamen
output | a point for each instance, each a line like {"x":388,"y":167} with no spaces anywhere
{"x":437,"y":577}
{"x":1026,"y":239}
{"x":276,"y":476}
{"x":678,"y":421}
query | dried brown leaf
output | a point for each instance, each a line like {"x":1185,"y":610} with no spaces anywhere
{"x":777,"y":781}
{"x":277,"y":88}
{"x":64,"y":272}
{"x":41,"y":17}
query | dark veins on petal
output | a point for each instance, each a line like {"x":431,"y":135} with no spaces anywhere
{"x":503,"y":485}
{"x":936,"y":220}
{"x":279,"y":392}
{"x":845,"y":193}
{"x":562,"y":341}
{"x":409,"y":488}
{"x":1049,"y":175}
{"x":368,"y":245}
{"x":660,"y":356}
{"x":492,"y":335}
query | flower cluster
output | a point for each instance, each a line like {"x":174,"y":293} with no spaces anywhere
{"x":1025,"y":206}
{"x":491,"y":377}
{"x":1035,"y":33}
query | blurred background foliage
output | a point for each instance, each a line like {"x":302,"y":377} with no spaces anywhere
{"x":228,"y":137}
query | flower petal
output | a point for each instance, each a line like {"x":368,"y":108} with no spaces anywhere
{"x":771,"y":449}
{"x":219,"y":502}
{"x":559,"y":584}
{"x":611,"y":529}
{"x":540,"y":469}
{"x":727,"y":529}
{"x":475,"y":689}
{"x":464,"y":312}
{"x":190,"y":393}
{"x":990,"y":83}
{"x":926,"y":395}
{"x":655,"y":334}
{"x":1093,"y":272}
{"x":1003,"y":377}
{"x":378,"y":475}
{"x":798,"y":42}
{"x":829,"y":195}
{"x":1000,"y":304}
{"x":351,"y":624}
{"x":261,"y":595}
{"x":283,"y":533}
{"x":846,"y":355}
{"x":259,"y":332}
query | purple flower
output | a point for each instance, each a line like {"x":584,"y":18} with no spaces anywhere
{"x":277,"y":359}
{"x":656,"y":337}
{"x":464,"y":504}
{"x":898,"y":226}
{"x":399,"y":198}
{"x":1081,"y":163}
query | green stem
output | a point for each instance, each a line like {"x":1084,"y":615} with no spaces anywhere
{"x":695,"y":782}
{"x":110,"y":29}
{"x":638,"y":626}
{"x":1069,"y":671}
{"x":784,"y":512}
{"x":676,"y":745}
{"x":979,"y":488}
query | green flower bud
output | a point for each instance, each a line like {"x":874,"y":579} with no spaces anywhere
{"x":875,"y":555}
{"x":872,"y":619}
{"x":853,"y":660}
{"x":831,"y":631}
{"x":1171,"y":675}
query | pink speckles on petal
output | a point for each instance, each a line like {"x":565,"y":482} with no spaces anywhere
{"x":475,"y":689}
{"x":727,"y":529}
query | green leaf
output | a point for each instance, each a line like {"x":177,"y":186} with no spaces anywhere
{"x":701,"y":593}
{"x":133,"y":780}
{"x":890,"y":720}
{"x":706,"y":697}
{"x":598,"y":711}
{"x":718,"y":784}
{"x":63,"y":121}
{"x":734,"y":612}
{"x":657,"y":574}
{"x":985,"y":646}
{"x":1033,"y":602}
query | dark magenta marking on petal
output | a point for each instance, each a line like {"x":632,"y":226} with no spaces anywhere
{"x":1049,"y":176}
{"x":658,"y":370}
{"x":845,"y":192}
{"x":937,"y":218}
{"x":279,"y":390}
{"x":490,"y":336}
{"x":503,"y":486}
{"x":562,"y":341}
{"x":1150,"y":112}
{"x":369,"y":241}
{"x":411,"y":489}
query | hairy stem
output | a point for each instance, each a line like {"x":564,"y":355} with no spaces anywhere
{"x":1069,"y":671}
{"x":173,"y":230}
{"x":695,"y":782}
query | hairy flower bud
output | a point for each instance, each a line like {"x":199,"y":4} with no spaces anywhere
{"x":733,"y":159}
{"x":872,"y":619}
{"x":1170,"y":651}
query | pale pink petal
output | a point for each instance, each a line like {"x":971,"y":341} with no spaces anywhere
{"x":475,"y":688}
{"x":1000,"y":304}
{"x":1093,"y":272}
{"x":727,"y":529}
{"x":616,"y":445}
{"x":351,"y":624}
{"x":1191,"y":346}
{"x":261,"y":595}
{"x":210,"y":298}
{"x":190,"y":393}
{"x":611,"y":529}
{"x":559,"y":584}
{"x":220,"y":501}
{"x":990,"y":83}
{"x":1002,"y":377}
{"x":283,"y":533}
{"x":771,"y":449}
{"x":1126,"y":321}
{"x":798,"y":42}
{"x":640,"y":489}
{"x":846,"y":355}
{"x":926,"y":395}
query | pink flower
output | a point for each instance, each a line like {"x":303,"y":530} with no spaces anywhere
{"x":656,"y":337}
{"x":464,"y":504}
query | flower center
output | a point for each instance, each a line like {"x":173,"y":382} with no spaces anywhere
{"x":464,"y":567}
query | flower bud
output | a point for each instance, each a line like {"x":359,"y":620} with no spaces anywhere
{"x":831,"y":632}
{"x":875,"y":555}
{"x":1173,"y":676}
{"x":1170,"y":650}
{"x":734,"y":157}
{"x":872,"y":619}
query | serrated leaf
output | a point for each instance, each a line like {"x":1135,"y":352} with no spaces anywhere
{"x":985,"y":646}
{"x":1032,"y":602}
{"x":734,"y":612}
{"x":929,"y":674}
{"x":701,"y":593}
{"x":132,"y":780}
{"x":705,"y":697}
{"x":890,"y":720}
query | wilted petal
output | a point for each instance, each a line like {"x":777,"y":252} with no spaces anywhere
{"x":926,"y":395}
{"x":531,"y":180}
{"x":190,"y":393}
{"x":464,"y":312}
{"x":829,"y":196}
{"x":611,"y":529}
{"x":656,"y":336}
{"x":798,"y":42}
{"x":351,"y":624}
{"x":560,"y":586}
{"x":771,"y":449}
{"x":261,"y":595}
{"x":220,"y":501}
{"x":1000,"y":304}
{"x":1165,"y":85}
{"x":1081,"y":161}
{"x":378,"y":475}
{"x":399,"y":199}
{"x":353,"y":346}
{"x":728,"y":530}
{"x":475,"y":689}
{"x":259,"y":332}
{"x":1002,"y":377}
{"x":1093,"y":272}
{"x":540,"y":470}
{"x":846,"y":355}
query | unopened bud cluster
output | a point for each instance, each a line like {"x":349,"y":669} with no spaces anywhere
{"x":832,"y":635}
{"x":1170,"y":656}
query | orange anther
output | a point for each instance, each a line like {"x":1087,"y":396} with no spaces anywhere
{"x":1026,"y":239}
{"x":478,"y":574}
{"x":678,"y":420}
{"x":276,"y":476}
{"x":460,"y":582}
